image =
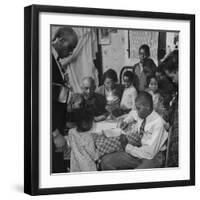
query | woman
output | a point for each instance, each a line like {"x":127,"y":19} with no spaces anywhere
{"x":111,"y":90}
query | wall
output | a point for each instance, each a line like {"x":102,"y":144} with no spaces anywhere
{"x":113,"y":54}
{"x":11,"y":101}
{"x":115,"y":51}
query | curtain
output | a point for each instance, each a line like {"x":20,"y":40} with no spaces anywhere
{"x":80,"y":63}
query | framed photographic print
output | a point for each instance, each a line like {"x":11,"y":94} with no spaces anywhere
{"x":108,"y":117}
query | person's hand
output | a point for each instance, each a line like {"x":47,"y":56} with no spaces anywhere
{"x":99,"y":118}
{"x":123,"y":125}
{"x":123,"y":107}
{"x":167,"y":126}
{"x":59,"y":140}
{"x":76,"y":105}
{"x":123,"y":140}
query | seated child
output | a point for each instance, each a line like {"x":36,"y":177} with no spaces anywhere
{"x":152,"y":89}
{"x":83,"y":152}
{"x":129,"y":94}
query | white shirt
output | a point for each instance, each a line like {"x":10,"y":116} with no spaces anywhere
{"x":153,"y":139}
{"x":128,"y":98}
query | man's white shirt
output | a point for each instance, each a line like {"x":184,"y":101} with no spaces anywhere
{"x":154,"y":136}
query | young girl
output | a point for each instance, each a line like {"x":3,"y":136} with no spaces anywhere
{"x":129,"y":94}
{"x":83,"y":152}
{"x":152,"y":84}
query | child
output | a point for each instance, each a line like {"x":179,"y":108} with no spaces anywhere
{"x":152,"y":83}
{"x":83,"y":152}
{"x":129,"y":94}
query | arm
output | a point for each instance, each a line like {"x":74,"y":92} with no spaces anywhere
{"x":134,"y":95}
{"x":151,"y":146}
{"x":131,"y":116}
{"x":101,"y":113}
{"x":58,"y":139}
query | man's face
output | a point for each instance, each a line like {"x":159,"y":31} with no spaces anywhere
{"x":127,"y":81}
{"x":88,"y":89}
{"x":143,"y":109}
{"x":63,"y":45}
{"x":173,"y":75}
{"x":142,"y":55}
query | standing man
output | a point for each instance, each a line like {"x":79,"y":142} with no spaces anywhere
{"x":63,"y":44}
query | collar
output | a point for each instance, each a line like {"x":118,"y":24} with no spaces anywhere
{"x":150,"y":117}
{"x":55,"y":54}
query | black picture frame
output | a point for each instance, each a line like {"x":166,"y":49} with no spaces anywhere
{"x":31,"y":98}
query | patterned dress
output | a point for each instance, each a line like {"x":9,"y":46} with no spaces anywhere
{"x":83,"y":152}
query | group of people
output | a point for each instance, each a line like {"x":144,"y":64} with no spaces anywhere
{"x":148,"y":98}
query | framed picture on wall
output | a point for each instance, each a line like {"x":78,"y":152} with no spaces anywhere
{"x":104,"y":36}
{"x":108,"y":117}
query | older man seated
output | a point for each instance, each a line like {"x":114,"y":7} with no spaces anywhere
{"x":87,"y":99}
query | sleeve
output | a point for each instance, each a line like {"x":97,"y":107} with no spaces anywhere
{"x":91,"y":150}
{"x":102,"y":104}
{"x":134,"y":95}
{"x":100,"y":90}
{"x":151,"y":146}
{"x":70,"y":103}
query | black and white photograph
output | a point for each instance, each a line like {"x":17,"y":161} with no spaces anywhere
{"x":112,"y":100}
{"x":114,"y":106}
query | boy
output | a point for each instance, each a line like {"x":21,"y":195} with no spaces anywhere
{"x":150,"y":126}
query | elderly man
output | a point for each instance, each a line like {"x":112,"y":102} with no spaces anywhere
{"x":88,"y":99}
{"x":64,"y":41}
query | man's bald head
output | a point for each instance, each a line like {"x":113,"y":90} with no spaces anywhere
{"x":65,"y":40}
{"x":89,"y":80}
{"x":88,"y":87}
